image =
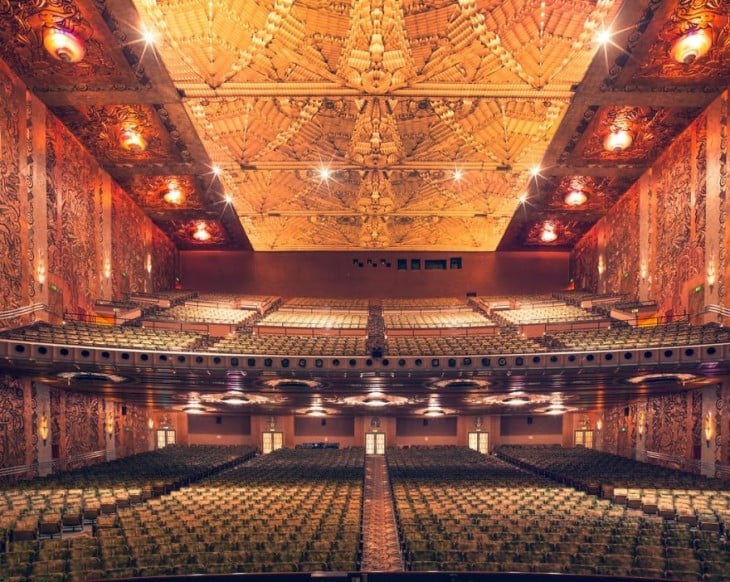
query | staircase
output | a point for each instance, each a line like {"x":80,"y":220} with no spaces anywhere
{"x":380,"y":546}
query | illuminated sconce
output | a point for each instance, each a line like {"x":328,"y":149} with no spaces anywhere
{"x":709,"y":429}
{"x":63,"y":45}
{"x":601,"y":265}
{"x":131,"y":140}
{"x":43,"y":428}
{"x":110,"y":424}
{"x":148,"y":263}
{"x":576,"y":198}
{"x":173,"y":195}
{"x":644,"y":270}
{"x":599,"y":424}
{"x":107,"y":268}
{"x":41,"y":274}
{"x":618,"y":140}
{"x":711,"y":274}
{"x":548,"y":233}
{"x":201,"y":232}
{"x":691,"y":46}
{"x":641,"y":421}
{"x":150,"y":424}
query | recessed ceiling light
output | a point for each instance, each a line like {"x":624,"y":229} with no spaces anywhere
{"x":576,"y":198}
{"x":132,"y":140}
{"x":201,"y":232}
{"x":63,"y":45}
{"x":693,"y":45}
{"x":548,"y":233}
{"x":618,"y":140}
{"x":516,"y":399}
{"x":603,"y":36}
{"x":458,"y":175}
{"x":173,"y":194}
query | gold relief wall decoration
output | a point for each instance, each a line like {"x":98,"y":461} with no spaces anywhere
{"x":669,"y":424}
{"x":130,"y":235}
{"x":82,"y":413}
{"x":697,"y":419}
{"x":10,"y":212}
{"x":622,"y":252}
{"x":12,"y":422}
{"x":585,"y":261}
{"x":72,"y":218}
{"x":164,"y":261}
{"x":678,"y":258}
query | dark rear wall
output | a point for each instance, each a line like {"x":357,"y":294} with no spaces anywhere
{"x":334,"y":274}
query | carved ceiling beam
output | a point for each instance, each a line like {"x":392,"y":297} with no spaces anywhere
{"x":410,"y":213}
{"x":422,"y":90}
{"x":650,"y":98}
{"x":335,"y":166}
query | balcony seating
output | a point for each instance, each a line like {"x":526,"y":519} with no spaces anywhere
{"x":304,"y":345}
{"x":504,"y":343}
{"x":75,"y":333}
{"x":205,"y":314}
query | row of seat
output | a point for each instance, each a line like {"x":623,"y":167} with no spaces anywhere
{"x":458,"y":510}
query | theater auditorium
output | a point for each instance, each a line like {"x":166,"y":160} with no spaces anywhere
{"x":385,"y":290}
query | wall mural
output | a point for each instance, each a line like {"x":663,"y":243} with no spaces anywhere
{"x":622,"y":254}
{"x":614,"y":423}
{"x":668,"y":430}
{"x":129,"y":233}
{"x":697,"y":428}
{"x":82,"y":413}
{"x":164,"y":261}
{"x":585,"y":261}
{"x":12,"y":422}
{"x":74,"y":212}
{"x":10,"y":234}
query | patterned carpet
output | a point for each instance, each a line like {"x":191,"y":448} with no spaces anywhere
{"x":381,"y":547}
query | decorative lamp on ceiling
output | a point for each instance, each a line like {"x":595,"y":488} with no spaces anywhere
{"x":201,"y":232}
{"x":618,"y":140}
{"x":173,"y":195}
{"x":63,"y":45}
{"x":132,"y":140}
{"x":235,"y":398}
{"x":516,"y":399}
{"x":193,"y":407}
{"x":692,"y":45}
{"x":548,"y":233}
{"x":576,"y":198}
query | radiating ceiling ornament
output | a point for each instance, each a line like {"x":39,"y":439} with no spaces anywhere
{"x":376,"y":56}
{"x":375,"y":139}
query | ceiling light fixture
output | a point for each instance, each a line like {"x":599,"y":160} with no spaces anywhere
{"x":131,"y":140}
{"x":603,"y":36}
{"x":458,"y":175}
{"x":173,"y":195}
{"x":535,"y":171}
{"x":235,"y":397}
{"x":522,"y":198}
{"x":193,"y":408}
{"x":516,"y":399}
{"x":228,"y":198}
{"x":201,"y":232}
{"x":548,"y":233}
{"x":149,"y":37}
{"x":576,"y":198}
{"x":63,"y":45}
{"x":618,"y":140}
{"x":691,"y":46}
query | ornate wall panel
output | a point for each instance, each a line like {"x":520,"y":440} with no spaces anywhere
{"x":622,"y":245}
{"x":129,"y":255}
{"x":10,"y":204}
{"x":696,"y":420}
{"x":74,"y":224}
{"x":12,"y":423}
{"x":614,"y":422}
{"x":678,"y":258}
{"x":82,"y":413}
{"x":585,"y":261}
{"x":668,"y":432}
{"x":164,"y":261}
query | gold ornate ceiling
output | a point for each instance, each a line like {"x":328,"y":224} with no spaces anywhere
{"x":427,"y":115}
{"x":371,"y":124}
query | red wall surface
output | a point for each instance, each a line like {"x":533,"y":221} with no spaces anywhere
{"x":334,"y":274}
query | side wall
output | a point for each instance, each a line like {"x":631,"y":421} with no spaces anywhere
{"x":666,"y":239}
{"x":83,"y":429}
{"x":68,"y":234}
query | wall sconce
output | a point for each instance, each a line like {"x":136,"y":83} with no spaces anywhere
{"x":41,"y":274}
{"x":110,"y":424}
{"x":693,"y":45}
{"x":599,"y":424}
{"x":711,"y":274}
{"x":150,"y":424}
{"x":601,"y":265}
{"x":641,"y":421}
{"x":644,"y":270}
{"x":709,"y":428}
{"x":107,"y":269}
{"x":43,"y":428}
{"x":63,"y":45}
{"x":148,"y":264}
